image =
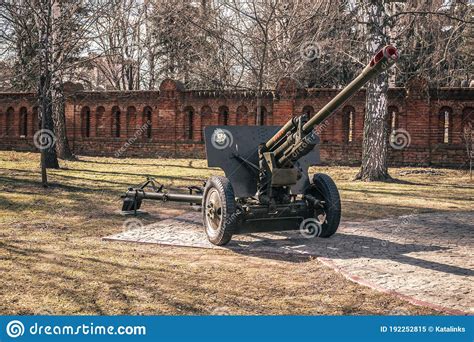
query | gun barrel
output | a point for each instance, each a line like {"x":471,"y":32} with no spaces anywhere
{"x":382,"y":60}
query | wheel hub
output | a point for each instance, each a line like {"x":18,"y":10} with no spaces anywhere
{"x":214,"y":209}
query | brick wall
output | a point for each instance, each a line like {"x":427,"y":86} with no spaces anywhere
{"x":115,"y":123}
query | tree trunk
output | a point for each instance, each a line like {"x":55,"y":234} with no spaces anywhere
{"x":47,"y":137}
{"x":59,"y":117}
{"x":58,"y":42}
{"x":374,"y":147}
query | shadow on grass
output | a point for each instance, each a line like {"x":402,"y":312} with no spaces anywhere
{"x":136,"y":174}
{"x":189,"y":166}
{"x":403,"y":194}
{"x":84,"y":271}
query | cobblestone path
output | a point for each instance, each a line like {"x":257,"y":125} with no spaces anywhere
{"x":427,"y":258}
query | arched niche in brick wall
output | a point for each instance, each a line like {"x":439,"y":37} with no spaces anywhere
{"x":308,"y":111}
{"x":188,"y":124}
{"x":393,"y":118}
{"x":265,"y":118}
{"x":23,"y":122}
{"x":223,"y":116}
{"x":9,"y":120}
{"x":85,"y":122}
{"x":348,"y":124}
{"x":242,"y":115}
{"x":147,"y":122}
{"x":445,"y":125}
{"x":116,"y":122}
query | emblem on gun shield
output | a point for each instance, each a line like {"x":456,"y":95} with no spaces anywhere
{"x":221,"y":138}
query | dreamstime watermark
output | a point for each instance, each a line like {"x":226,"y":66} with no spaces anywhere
{"x":15,"y":329}
{"x":310,"y":139}
{"x":404,"y":222}
{"x":311,"y":228}
{"x":233,"y":219}
{"x":132,"y":224}
{"x":221,"y":138}
{"x":44,"y":139}
{"x":310,"y":50}
{"x":221,"y":311}
{"x":321,"y":127}
{"x":138,"y":133}
{"x":400,"y":139}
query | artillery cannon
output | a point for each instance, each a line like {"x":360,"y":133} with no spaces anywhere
{"x":266,"y":185}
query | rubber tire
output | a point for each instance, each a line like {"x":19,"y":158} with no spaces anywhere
{"x":227,"y":197}
{"x":325,"y":186}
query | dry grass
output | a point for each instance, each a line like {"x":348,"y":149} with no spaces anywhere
{"x":53,"y":260}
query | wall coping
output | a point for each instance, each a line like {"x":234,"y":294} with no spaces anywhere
{"x":455,"y":93}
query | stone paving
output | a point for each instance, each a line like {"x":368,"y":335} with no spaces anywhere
{"x":426,"y":258}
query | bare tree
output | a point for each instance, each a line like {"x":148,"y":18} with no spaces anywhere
{"x":18,"y":35}
{"x":425,"y":33}
{"x":257,"y":43}
{"x":43,"y":21}
{"x":121,"y":42}
{"x":374,"y":146}
{"x":436,"y":40}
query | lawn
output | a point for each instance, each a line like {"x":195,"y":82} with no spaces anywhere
{"x":53,"y":260}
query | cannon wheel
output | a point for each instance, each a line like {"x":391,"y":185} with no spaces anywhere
{"x":218,"y":210}
{"x":324,"y":189}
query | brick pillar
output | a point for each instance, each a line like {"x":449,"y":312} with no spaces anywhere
{"x":2,"y":122}
{"x":457,"y":129}
{"x":15,"y":129}
{"x":141,"y":119}
{"x":170,"y":93}
{"x":108,"y":121}
{"x":284,"y":103}
{"x":166,"y":124}
{"x":421,"y":127}
{"x":69,"y":115}
{"x":232,"y":116}
{"x":359,"y":123}
{"x":252,"y":115}
{"x":123,"y":122}
{"x":283,"y":109}
{"x":338,"y":131}
{"x":93,"y":122}
{"x":74,"y":121}
{"x":29,"y":122}
{"x":197,"y":126}
{"x":166,"y":120}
